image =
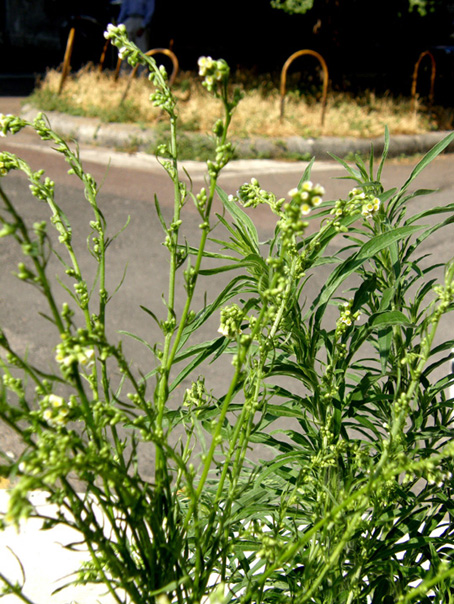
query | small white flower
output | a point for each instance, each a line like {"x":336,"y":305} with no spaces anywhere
{"x":61,"y":417}
{"x":47,"y":415}
{"x":369,"y":209}
{"x":63,"y":359}
{"x":56,"y":401}
{"x":205,"y":64}
{"x":109,"y":31}
{"x":223,"y":330}
{"x":86,"y":357}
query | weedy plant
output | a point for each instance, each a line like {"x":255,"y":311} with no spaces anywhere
{"x":355,"y":503}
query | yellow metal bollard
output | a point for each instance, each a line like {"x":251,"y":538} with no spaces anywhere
{"x":103,"y":55}
{"x":66,"y":61}
{"x":290,"y":60}
{"x":415,"y":79}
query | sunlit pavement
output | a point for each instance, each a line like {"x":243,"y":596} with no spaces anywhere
{"x":45,"y":565}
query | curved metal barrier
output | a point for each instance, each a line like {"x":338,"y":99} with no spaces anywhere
{"x":415,"y":79}
{"x":322,"y":62}
{"x":67,"y":60}
{"x":103,"y":55}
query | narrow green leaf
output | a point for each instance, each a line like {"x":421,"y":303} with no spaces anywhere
{"x":159,"y":213}
{"x":243,"y":219}
{"x":120,"y":283}
{"x":222,"y":269}
{"x":354,"y":174}
{"x":206,"y":350}
{"x":387,"y":296}
{"x":110,"y":239}
{"x":378,"y":243}
{"x":429,"y":157}
{"x":362,"y":168}
{"x":368,"y":250}
{"x":392,"y":317}
{"x":384,"y":154}
{"x":385,"y":338}
{"x":137,"y":338}
{"x":307,"y":172}
{"x":151,"y":313}
{"x":206,"y":254}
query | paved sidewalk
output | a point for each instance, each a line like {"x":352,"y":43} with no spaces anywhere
{"x":124,"y":136}
{"x":47,"y":567}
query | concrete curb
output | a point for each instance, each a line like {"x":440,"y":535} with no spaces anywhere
{"x":130,"y":136}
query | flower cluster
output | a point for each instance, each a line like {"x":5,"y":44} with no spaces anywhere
{"x":347,"y":318}
{"x":69,"y":353}
{"x":8,"y":162}
{"x":271,"y":544}
{"x":55,"y":410}
{"x":10,"y":123}
{"x":445,"y":295}
{"x":303,"y":199}
{"x":370,"y":207}
{"x":126,"y":51}
{"x":357,"y":202}
{"x":196,"y":395}
{"x":252,"y":195}
{"x":307,"y":196}
{"x":213,"y":72}
{"x":231,"y":318}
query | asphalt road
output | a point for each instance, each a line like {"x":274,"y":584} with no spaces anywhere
{"x":129,"y":184}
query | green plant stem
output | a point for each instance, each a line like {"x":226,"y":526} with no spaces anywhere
{"x":426,"y":585}
{"x":349,"y":530}
{"x":241,"y":357}
{"x":399,"y":420}
{"x":273,"y":331}
{"x":39,"y":269}
{"x":163,"y":385}
{"x":169,"y":351}
{"x":13,"y":589}
{"x":202,"y":245}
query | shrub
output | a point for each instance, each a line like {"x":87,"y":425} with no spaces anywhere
{"x":354,"y":503}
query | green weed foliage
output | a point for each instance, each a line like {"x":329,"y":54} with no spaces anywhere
{"x":353,"y":501}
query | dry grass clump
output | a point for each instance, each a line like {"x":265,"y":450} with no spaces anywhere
{"x":97,"y":94}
